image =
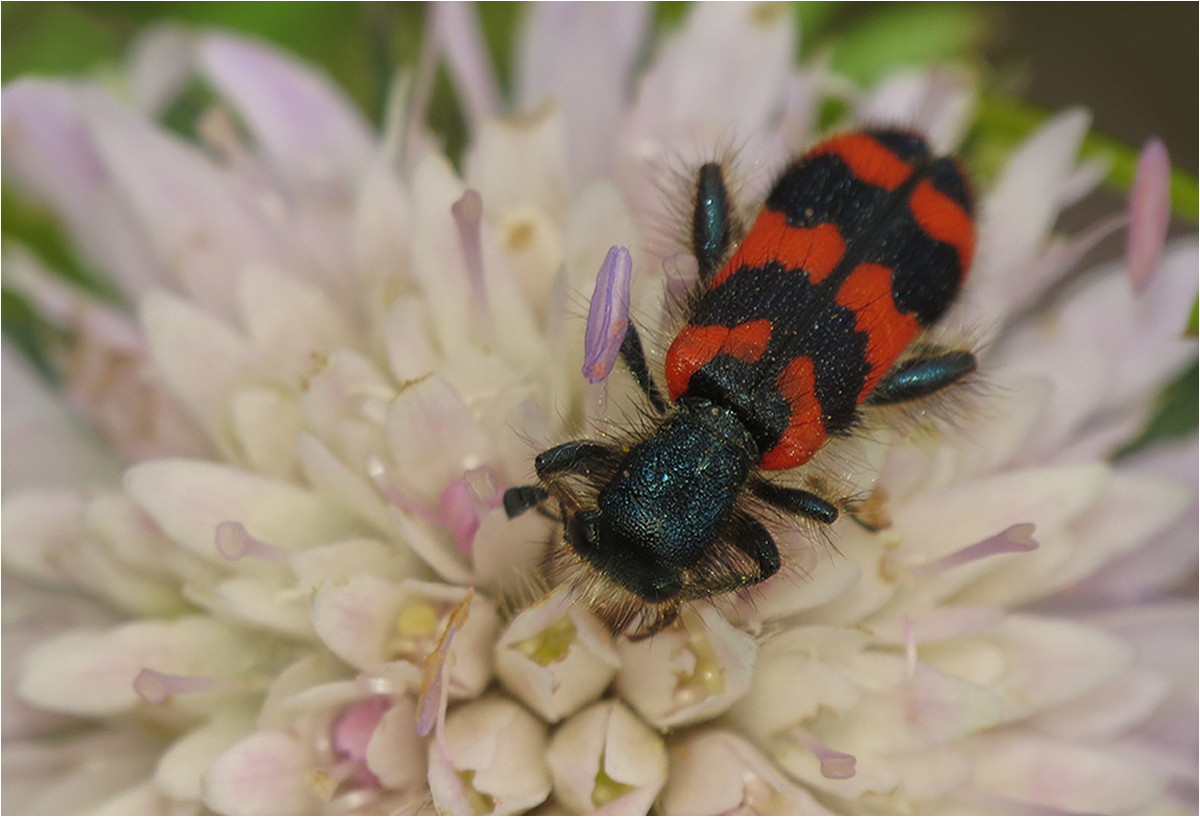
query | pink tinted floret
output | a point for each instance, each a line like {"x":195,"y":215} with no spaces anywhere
{"x":1149,"y":213}
{"x":352,"y":733}
{"x":608,"y":315}
{"x":461,"y":514}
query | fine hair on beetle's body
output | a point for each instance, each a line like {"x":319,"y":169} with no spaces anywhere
{"x":795,"y":329}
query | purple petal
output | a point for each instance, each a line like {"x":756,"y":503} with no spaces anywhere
{"x":1149,"y":213}
{"x":608,"y":315}
{"x":305,"y":123}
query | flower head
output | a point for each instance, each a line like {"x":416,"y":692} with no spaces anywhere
{"x":276,"y":574}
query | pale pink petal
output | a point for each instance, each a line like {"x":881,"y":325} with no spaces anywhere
{"x":395,"y":753}
{"x":308,"y":128}
{"x":928,"y":709}
{"x":434,"y":439}
{"x":1044,"y":773}
{"x":45,"y":446}
{"x":50,"y":152}
{"x":265,"y":773}
{"x":289,"y":322}
{"x":201,"y":360}
{"x":92,"y":673}
{"x":79,"y":775}
{"x":461,"y":38}
{"x":719,"y":79}
{"x":1017,"y":215}
{"x":1149,"y":212}
{"x":196,"y":215}
{"x":579,"y":57}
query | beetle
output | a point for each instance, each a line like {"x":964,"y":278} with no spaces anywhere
{"x":793,"y":330}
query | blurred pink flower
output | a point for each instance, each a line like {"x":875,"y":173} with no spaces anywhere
{"x":338,"y":352}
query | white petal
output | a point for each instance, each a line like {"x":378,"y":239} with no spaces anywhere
{"x":266,"y":423}
{"x":189,"y":499}
{"x":718,"y":772}
{"x":793,"y":681}
{"x":202,"y":360}
{"x":396,"y":753}
{"x":289,"y":321}
{"x":555,"y":656}
{"x":183,"y":764}
{"x":92,"y":673}
{"x":44,"y":445}
{"x":504,"y":747}
{"x":340,"y":484}
{"x":605,"y":761}
{"x":682,"y":677}
{"x":37,"y":527}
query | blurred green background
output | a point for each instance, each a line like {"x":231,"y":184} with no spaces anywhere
{"x":1132,"y":64}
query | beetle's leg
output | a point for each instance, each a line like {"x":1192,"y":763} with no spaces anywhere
{"x":635,"y":361}
{"x":522,"y":498}
{"x":712,"y":221}
{"x":796,"y":502}
{"x":752,"y":538}
{"x":922,"y":376}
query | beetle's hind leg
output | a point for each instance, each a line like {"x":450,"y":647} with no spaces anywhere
{"x":921,"y":376}
{"x":715,"y":226}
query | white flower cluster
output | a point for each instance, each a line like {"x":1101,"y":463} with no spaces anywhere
{"x":273,"y":575}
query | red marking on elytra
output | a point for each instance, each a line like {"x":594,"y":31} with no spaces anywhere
{"x":805,"y":433}
{"x":867,"y":159}
{"x":749,"y":340}
{"x":693,"y":347}
{"x":867,"y":292}
{"x":816,"y":250}
{"x":944,"y":219}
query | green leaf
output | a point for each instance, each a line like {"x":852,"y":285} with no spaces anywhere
{"x":1175,"y":416}
{"x":906,"y":35}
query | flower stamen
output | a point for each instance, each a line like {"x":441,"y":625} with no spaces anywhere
{"x":468,"y":217}
{"x":155,"y":687}
{"x":1013,"y":539}
{"x":234,"y":542}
